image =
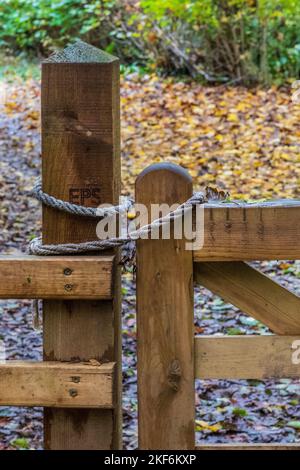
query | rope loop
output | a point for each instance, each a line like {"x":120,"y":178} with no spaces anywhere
{"x":36,"y":246}
{"x":59,"y":204}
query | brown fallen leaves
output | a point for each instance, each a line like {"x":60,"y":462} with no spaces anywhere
{"x":243,"y":140}
{"x":246,"y":141}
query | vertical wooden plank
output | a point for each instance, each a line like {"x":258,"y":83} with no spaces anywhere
{"x":81,"y":164}
{"x":165,"y":322}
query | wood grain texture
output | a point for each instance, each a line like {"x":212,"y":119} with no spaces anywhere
{"x":253,"y":292}
{"x":165,"y":322}
{"x":248,"y":446}
{"x":265,"y":231}
{"x":65,"y":277}
{"x":246,"y":357}
{"x":56,"y":384}
{"x":81,"y":164}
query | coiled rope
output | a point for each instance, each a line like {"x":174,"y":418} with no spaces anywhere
{"x":74,"y":209}
{"x":36,"y":246}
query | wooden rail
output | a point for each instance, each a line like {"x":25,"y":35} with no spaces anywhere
{"x":56,"y":277}
{"x":253,"y":292}
{"x":246,"y":357}
{"x":57,"y":385}
{"x":241,"y":232}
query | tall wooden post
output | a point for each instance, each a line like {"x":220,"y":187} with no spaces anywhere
{"x":166,"y":397}
{"x":81,"y":164}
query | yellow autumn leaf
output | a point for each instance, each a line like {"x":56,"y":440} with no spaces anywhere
{"x":203,"y":425}
{"x":233,"y":117}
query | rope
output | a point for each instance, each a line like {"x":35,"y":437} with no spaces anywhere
{"x":36,"y":246}
{"x":75,"y":209}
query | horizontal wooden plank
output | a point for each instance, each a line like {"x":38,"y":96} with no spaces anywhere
{"x":245,"y":446}
{"x":56,"y":384}
{"x":56,"y":277}
{"x":241,"y":232}
{"x":247,"y":357}
{"x":253,"y":292}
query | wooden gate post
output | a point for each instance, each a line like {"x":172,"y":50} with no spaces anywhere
{"x":166,"y":397}
{"x":81,"y":164}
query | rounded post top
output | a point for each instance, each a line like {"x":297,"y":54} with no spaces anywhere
{"x":81,"y":52}
{"x":168,"y":167}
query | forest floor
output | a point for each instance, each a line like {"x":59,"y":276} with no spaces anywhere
{"x":246,"y":141}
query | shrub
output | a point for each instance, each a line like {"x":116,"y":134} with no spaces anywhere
{"x":235,"y":40}
{"x":241,"y":41}
{"x":41,"y":25}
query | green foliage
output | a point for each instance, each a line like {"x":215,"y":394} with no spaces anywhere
{"x":41,"y":25}
{"x":245,"y":41}
{"x":192,"y":12}
{"x":240,"y":40}
{"x":240,"y":412}
{"x":21,"y":443}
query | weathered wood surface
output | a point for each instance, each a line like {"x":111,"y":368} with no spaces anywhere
{"x":165,"y":322}
{"x":64,"y":277}
{"x":241,"y":232}
{"x":253,"y":292}
{"x":26,"y":383}
{"x":81,"y":164}
{"x":246,"y":357}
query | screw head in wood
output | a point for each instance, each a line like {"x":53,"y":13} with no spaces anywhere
{"x":67,"y":271}
{"x":68,"y":287}
{"x":76,"y":379}
{"x":73,"y":392}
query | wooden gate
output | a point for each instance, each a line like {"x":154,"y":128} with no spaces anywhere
{"x":169,"y":357}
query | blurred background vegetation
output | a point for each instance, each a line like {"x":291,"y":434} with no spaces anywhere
{"x":215,"y":41}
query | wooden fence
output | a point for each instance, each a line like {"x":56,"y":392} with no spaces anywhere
{"x":79,"y":382}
